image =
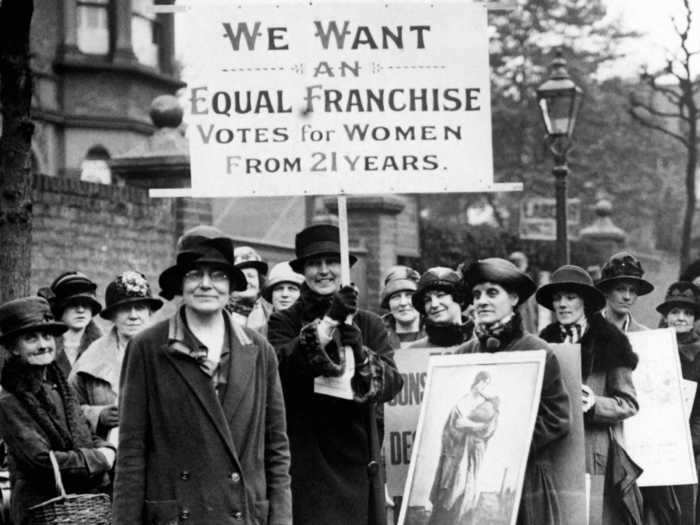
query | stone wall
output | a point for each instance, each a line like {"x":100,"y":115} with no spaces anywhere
{"x":100,"y":230}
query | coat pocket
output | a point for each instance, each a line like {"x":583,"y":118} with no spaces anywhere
{"x":262,"y":510}
{"x":161,"y":512}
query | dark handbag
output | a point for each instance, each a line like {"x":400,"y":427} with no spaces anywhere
{"x":71,"y":509}
{"x":622,"y":475}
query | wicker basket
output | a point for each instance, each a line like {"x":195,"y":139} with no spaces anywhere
{"x":71,"y":509}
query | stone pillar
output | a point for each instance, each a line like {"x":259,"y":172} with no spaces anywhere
{"x":603,"y":233}
{"x":163,"y":161}
{"x":372,"y":222}
{"x":123,"y":49}
{"x":69,"y":44}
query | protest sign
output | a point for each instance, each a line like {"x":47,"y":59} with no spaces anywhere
{"x":473,"y":438}
{"x":568,"y":453}
{"x":292,"y":98}
{"x":658,"y":436}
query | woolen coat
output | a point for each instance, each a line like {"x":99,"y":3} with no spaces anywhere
{"x":95,"y":378}
{"x":333,"y":467}
{"x":186,"y":455}
{"x":539,"y":503}
{"x":607,"y":361}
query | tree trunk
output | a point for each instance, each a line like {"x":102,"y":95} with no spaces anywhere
{"x":15,"y":149}
{"x":691,"y":164}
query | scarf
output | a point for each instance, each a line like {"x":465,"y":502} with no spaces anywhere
{"x":445,"y":333}
{"x":314,"y":306}
{"x":687,"y":337}
{"x":572,"y":333}
{"x":496,"y":336}
{"x":25,"y":383}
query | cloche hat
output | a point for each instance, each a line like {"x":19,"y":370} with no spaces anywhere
{"x":69,"y":288}
{"x":681,"y":294}
{"x":315,"y":241}
{"x":438,"y":278}
{"x":281,"y":273}
{"x":399,"y":279}
{"x":27,"y":314}
{"x":128,"y":288}
{"x":575,"y":278}
{"x":248,"y":257}
{"x":622,"y":267}
{"x":499,"y":271}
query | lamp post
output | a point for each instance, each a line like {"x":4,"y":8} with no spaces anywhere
{"x":559,"y":100}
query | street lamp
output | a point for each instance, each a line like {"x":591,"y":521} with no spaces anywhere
{"x":559,"y":100}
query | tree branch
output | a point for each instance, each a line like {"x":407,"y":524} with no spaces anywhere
{"x":648,"y":124}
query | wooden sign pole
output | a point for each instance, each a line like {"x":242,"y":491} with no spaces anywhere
{"x":344,"y":242}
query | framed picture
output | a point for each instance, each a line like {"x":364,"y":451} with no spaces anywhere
{"x":473,"y":438}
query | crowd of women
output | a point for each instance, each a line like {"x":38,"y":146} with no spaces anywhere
{"x":205,"y":408}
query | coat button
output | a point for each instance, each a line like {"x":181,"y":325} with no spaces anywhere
{"x":185,"y":514}
{"x":185,"y":475}
{"x":238,"y":515}
{"x":372,"y":468}
{"x":235,"y":477}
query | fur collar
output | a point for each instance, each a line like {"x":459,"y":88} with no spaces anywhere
{"x":603,"y":346}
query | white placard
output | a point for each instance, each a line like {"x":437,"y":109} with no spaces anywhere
{"x":337,"y":97}
{"x":658,"y":436}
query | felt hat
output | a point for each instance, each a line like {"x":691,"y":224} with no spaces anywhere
{"x":247,"y":257}
{"x":571,"y":278}
{"x":399,"y":279}
{"x":27,"y":314}
{"x":623,"y":267}
{"x":438,"y":278}
{"x":201,"y":245}
{"x":68,"y":289}
{"x":502,"y":272}
{"x":315,"y":241}
{"x":681,"y":294}
{"x":281,"y":273}
{"x":128,"y":288}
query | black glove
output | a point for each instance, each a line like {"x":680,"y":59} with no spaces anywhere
{"x":351,"y":336}
{"x":109,"y":417}
{"x":344,"y":303}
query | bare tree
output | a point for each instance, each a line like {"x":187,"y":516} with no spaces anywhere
{"x":672,"y":109}
{"x":15,"y":148}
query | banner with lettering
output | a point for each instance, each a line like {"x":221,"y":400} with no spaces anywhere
{"x":333,"y":97}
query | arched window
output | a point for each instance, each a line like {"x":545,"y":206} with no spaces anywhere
{"x":145,"y":32}
{"x":93,"y":26}
{"x":95,"y":168}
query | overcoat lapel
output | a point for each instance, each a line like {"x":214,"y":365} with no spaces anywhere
{"x":242,"y":369}
{"x":201,"y":387}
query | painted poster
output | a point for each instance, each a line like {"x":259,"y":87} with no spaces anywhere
{"x":658,"y":437}
{"x":568,"y":453}
{"x":333,"y":97}
{"x":401,"y":414}
{"x":473,"y":438}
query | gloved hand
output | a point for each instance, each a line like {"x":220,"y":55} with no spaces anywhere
{"x":351,"y":336}
{"x":109,"y":417}
{"x":344,"y":303}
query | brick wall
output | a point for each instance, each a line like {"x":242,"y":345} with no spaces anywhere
{"x":99,"y":230}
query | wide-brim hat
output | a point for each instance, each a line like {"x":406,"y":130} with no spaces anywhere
{"x":438,"y":278}
{"x":316,"y":241}
{"x":71,"y":288}
{"x":399,"y":279}
{"x":281,"y":273}
{"x":201,"y":245}
{"x":247,"y":257}
{"x":502,"y":272}
{"x":571,"y":278}
{"x":128,"y":288}
{"x":681,"y":294}
{"x":27,"y":314}
{"x":623,"y":267}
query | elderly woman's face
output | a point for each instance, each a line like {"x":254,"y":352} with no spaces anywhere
{"x":492,"y":302}
{"x":568,"y":306}
{"x":130,"y":319}
{"x":36,"y":348}
{"x":680,"y":319}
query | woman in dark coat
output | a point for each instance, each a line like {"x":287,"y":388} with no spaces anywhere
{"x":334,"y":442}
{"x":680,"y":310}
{"x":607,"y":361}
{"x":39,"y":413}
{"x":497,"y":288}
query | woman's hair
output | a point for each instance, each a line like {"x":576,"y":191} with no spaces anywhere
{"x":482,"y":375}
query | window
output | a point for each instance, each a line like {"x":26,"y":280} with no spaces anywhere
{"x":93,"y":26}
{"x":95,"y":168}
{"x":145,"y":32}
